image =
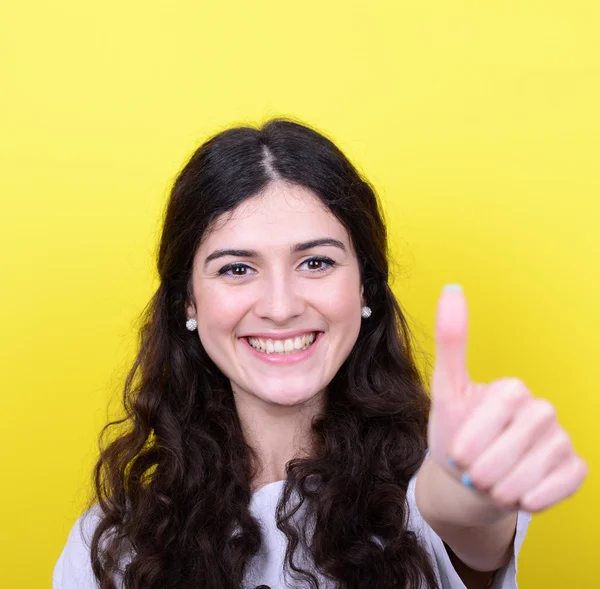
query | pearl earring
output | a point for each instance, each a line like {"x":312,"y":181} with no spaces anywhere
{"x":365,"y":312}
{"x":191,"y":324}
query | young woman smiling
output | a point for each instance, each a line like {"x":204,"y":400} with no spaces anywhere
{"x":279,"y":432}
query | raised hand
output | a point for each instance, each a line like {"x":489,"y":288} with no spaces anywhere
{"x":497,"y":437}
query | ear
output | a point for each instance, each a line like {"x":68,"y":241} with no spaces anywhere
{"x":190,"y":310}
{"x":362,"y":294}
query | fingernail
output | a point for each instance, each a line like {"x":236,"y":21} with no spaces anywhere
{"x":452,"y":462}
{"x":453,"y":287}
{"x":466,"y":481}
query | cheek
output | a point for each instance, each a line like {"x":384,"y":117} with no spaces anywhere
{"x":344,"y":292}
{"x":220,"y":310}
{"x":340,"y":304}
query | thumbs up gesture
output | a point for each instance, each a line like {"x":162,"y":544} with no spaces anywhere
{"x":497,"y":438}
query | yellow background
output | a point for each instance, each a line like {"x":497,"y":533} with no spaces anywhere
{"x":478,"y":123}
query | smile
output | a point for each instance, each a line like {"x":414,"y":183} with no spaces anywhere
{"x":282,"y":346}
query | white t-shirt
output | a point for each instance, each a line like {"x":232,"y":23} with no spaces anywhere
{"x":73,"y":569}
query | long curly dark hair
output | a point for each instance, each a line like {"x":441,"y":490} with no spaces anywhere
{"x":174,"y":485}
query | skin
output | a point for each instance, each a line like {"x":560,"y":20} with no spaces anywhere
{"x":508,"y":442}
{"x":279,"y":291}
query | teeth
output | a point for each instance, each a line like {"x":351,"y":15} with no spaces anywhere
{"x":286,"y":346}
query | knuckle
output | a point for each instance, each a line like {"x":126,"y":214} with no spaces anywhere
{"x":533,"y":506}
{"x":502,"y":495}
{"x":489,"y":470}
{"x":479,"y":478}
{"x":563,"y":441}
{"x":582,"y":467}
{"x":546,"y":412}
{"x":580,"y":474}
{"x":514,"y":391}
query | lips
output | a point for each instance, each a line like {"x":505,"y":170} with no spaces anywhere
{"x":282,"y":346}
{"x":265,"y":346}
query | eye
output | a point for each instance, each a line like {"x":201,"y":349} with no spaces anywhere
{"x":318,"y":264}
{"x":236,"y":270}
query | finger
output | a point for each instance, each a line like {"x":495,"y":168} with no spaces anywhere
{"x":559,"y":485}
{"x":450,"y":376}
{"x":535,"y":417}
{"x":488,"y":419}
{"x":553,"y":449}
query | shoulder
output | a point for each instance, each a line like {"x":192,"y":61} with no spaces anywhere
{"x":73,"y":570}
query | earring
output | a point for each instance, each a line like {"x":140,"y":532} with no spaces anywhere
{"x":365,"y":312}
{"x":191,"y":324}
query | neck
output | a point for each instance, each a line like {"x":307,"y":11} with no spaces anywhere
{"x":277,"y":433}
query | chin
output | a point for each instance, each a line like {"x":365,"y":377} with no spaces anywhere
{"x":287,"y":400}
{"x":287,"y":397}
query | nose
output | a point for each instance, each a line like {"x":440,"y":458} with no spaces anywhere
{"x":280,"y":299}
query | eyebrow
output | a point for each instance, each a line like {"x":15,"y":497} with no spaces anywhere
{"x":299,"y":247}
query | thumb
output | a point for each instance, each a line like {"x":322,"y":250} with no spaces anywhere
{"x":450,"y":375}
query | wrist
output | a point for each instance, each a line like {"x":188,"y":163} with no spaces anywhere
{"x":479,"y":533}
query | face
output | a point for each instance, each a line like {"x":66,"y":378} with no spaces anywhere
{"x":277,"y":295}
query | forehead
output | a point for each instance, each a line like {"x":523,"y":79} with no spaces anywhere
{"x":283,"y":214}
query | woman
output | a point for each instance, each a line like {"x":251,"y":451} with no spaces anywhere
{"x":276,"y":420}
